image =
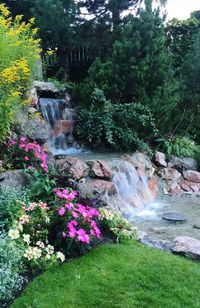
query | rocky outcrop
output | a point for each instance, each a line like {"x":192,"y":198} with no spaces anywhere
{"x":160,"y":159}
{"x":15,"y":179}
{"x":72,"y":167}
{"x":100,"y":169}
{"x":187,"y":246}
{"x":192,"y":176}
{"x":183,"y":164}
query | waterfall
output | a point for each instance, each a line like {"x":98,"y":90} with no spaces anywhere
{"x":133,"y":191}
{"x":60,"y":119}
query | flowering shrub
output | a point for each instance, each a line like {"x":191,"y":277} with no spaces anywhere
{"x":18,"y":53}
{"x":121,"y":228}
{"x":30,"y":231}
{"x":27,"y":154}
{"x":76,"y":223}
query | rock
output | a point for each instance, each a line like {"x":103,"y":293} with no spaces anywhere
{"x":192,"y":176}
{"x":153,"y":186}
{"x":196,"y":226}
{"x":100,"y":169}
{"x":187,"y":246}
{"x":171,"y":174}
{"x":96,"y":187}
{"x":195,"y":186}
{"x":186,"y":186}
{"x":156,"y":243}
{"x":141,"y":162}
{"x":183,"y":164}
{"x":33,"y":97}
{"x":160,"y":159}
{"x":175,"y":217}
{"x":72,"y":167}
{"x":45,"y":88}
{"x":36,"y":130}
{"x":16,"y":179}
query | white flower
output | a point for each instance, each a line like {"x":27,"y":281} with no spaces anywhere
{"x":47,"y":220}
{"x":26,"y":238}
{"x":14,"y":234}
{"x":47,"y":257}
{"x":20,"y":227}
{"x":60,"y":256}
{"x":40,"y":244}
{"x":28,"y":254}
{"x":50,"y":249}
{"x":37,"y":252}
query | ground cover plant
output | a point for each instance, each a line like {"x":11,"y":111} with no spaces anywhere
{"x":120,"y":275}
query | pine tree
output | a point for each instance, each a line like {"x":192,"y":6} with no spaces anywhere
{"x":140,"y":68}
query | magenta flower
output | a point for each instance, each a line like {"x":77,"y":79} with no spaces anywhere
{"x":61,"y":211}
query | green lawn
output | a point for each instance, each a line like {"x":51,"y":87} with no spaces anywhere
{"x":125,"y":276}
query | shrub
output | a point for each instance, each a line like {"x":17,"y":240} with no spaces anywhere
{"x":115,"y":224}
{"x":18,"y":53}
{"x":9,"y":204}
{"x":75,"y":224}
{"x":182,"y":147}
{"x":11,"y":268}
{"x":117,"y":126}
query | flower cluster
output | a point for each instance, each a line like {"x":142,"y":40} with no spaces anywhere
{"x":30,"y":231}
{"x":29,"y":153}
{"x":120,"y":227}
{"x":78,"y":220}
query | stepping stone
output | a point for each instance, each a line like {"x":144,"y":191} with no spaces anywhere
{"x":174,"y":217}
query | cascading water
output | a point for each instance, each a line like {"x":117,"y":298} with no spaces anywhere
{"x":134,"y":193}
{"x":60,"y":118}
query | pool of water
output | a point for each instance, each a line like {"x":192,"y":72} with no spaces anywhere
{"x":150,"y":219}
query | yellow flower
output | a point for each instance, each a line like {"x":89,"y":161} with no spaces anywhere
{"x":18,"y":18}
{"x":50,"y":52}
{"x":16,"y":93}
{"x":4,"y":10}
{"x":32,"y":20}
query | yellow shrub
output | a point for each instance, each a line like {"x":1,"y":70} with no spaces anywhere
{"x":19,"y":52}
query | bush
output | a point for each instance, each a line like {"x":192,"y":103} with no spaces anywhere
{"x":9,"y":204}
{"x":11,"y":268}
{"x":18,"y":53}
{"x":117,"y":126}
{"x":182,"y":147}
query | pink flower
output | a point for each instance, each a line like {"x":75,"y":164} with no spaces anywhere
{"x":30,"y":167}
{"x":64,"y":235}
{"x":61,"y":211}
{"x":26,"y":158}
{"x":69,"y":206}
{"x":74,"y":214}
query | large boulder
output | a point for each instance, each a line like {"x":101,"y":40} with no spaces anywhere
{"x":45,"y":88}
{"x":72,"y":167}
{"x":100,"y":169}
{"x":160,"y":159}
{"x":192,"y":176}
{"x":37,"y":130}
{"x":96,"y":187}
{"x":183,"y":164}
{"x":15,"y":179}
{"x":187,"y":246}
{"x":142,"y":162}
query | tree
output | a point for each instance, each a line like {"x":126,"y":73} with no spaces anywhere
{"x":140,"y":68}
{"x":190,"y":105}
{"x":179,"y":38}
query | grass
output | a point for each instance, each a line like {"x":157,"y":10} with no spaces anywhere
{"x":126,"y":275}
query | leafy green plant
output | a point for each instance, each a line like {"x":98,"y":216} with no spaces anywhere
{"x":117,"y":126}
{"x":9,"y":204}
{"x":182,"y":147}
{"x":11,"y":269}
{"x":121,"y":228}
